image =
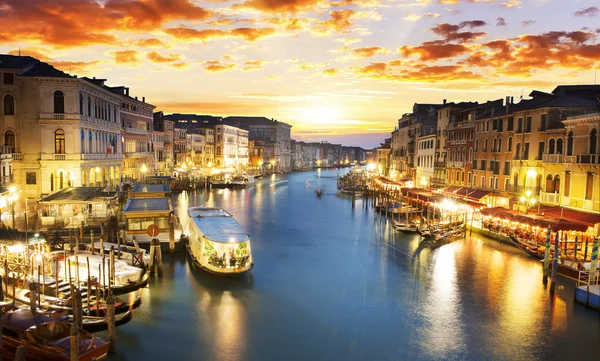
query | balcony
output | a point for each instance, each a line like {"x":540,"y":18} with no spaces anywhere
{"x":136,"y":131}
{"x":59,"y":116}
{"x":439,"y":164}
{"x":17,"y":156}
{"x":110,"y":156}
{"x":136,"y":154}
{"x":523,"y":189}
{"x":438,"y":182}
{"x":552,"y":158}
{"x":581,"y":203}
{"x":456,"y":164}
{"x":550,"y":198}
{"x":588,"y":159}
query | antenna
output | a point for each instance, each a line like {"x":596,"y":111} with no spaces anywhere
{"x":19,"y":50}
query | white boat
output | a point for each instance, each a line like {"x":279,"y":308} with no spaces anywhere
{"x":217,"y":242}
{"x":241,"y":181}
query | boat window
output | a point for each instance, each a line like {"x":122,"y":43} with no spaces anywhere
{"x":227,"y":255}
{"x":141,"y":224}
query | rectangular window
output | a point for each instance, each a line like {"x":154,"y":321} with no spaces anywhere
{"x":506,"y":168}
{"x":506,"y":184}
{"x":526,"y":151}
{"x":469,"y":178}
{"x":491,"y":183}
{"x":511,"y":121}
{"x":496,"y":183}
{"x":483,"y":164}
{"x":500,"y":125}
{"x":9,"y":78}
{"x":543,"y":122}
{"x":528,"y":124}
{"x":483,"y":181}
{"x":474,"y":181}
{"x":540,"y":150}
{"x":463,"y":176}
{"x":520,"y":125}
{"x":518,"y":155}
{"x":589,"y":186}
{"x":567,"y":185}
{"x":474,"y":163}
{"x":30,"y":178}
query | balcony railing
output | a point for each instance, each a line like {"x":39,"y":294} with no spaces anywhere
{"x":439,"y":164}
{"x":5,"y":149}
{"x":550,"y":198}
{"x":523,"y":189}
{"x":17,"y":156}
{"x":59,"y":116}
{"x":111,"y":156}
{"x":456,"y":164}
{"x":78,"y":156}
{"x":136,"y":154}
{"x":552,"y":158}
{"x":588,"y":159}
{"x":136,"y":131}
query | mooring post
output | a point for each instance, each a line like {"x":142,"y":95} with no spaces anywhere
{"x":32,"y":298}
{"x":20,"y":353}
{"x":555,"y":262}
{"x":547,"y":256}
{"x":74,"y":342}
{"x":110,"y":314}
{"x":92,"y":241}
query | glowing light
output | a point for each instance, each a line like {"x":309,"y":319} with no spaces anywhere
{"x":522,"y":199}
{"x":532,"y":201}
{"x":371,"y":166}
{"x":12,"y":189}
{"x":144,"y":168}
{"x":97,"y":169}
{"x":531,"y":173}
{"x":528,"y":194}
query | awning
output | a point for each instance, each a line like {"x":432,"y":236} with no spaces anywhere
{"x":452,"y":189}
{"x":553,"y":224}
{"x":589,"y":219}
{"x":477,"y":194}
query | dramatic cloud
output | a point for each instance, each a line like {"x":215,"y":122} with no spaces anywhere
{"x":368,"y":52}
{"x":70,"y":67}
{"x":71,"y":23}
{"x":157,"y":58}
{"x":451,"y":32}
{"x":429,"y":52}
{"x":152,"y":42}
{"x":281,"y":5}
{"x":250,"y":34}
{"x":593,"y":11}
{"x":339,"y":21}
{"x":126,"y":57}
{"x":500,"y":22}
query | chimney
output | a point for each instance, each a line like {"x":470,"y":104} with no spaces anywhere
{"x":143,"y":99}
{"x":136,"y":98}
{"x":444,"y":101}
{"x":512,"y":100}
{"x":507,"y":101}
{"x":127,"y":91}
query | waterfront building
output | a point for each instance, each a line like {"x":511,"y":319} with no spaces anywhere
{"x":61,"y":130}
{"x":157,"y":147}
{"x":383,"y":157}
{"x":197,"y":145}
{"x":165,"y":126}
{"x":269,"y":131}
{"x":571,"y":170}
{"x":136,"y":123}
{"x":231,"y":147}
{"x":179,"y":145}
{"x":6,"y":173}
{"x":427,"y":145}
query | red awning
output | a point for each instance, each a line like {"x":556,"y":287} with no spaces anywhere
{"x":452,"y":189}
{"x":478,"y":194}
{"x":589,"y":219}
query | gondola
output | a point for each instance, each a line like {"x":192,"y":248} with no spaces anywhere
{"x":526,"y":248}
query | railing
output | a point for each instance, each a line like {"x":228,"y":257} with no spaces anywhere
{"x":523,"y":189}
{"x":550,"y":198}
{"x":136,"y":154}
{"x":59,"y":116}
{"x":136,"y":131}
{"x":439,"y":164}
{"x":438,"y":181}
{"x":61,"y":156}
{"x":100,"y":156}
{"x":456,"y":164}
{"x":17,"y":156}
{"x":5,"y":149}
{"x":588,"y":159}
{"x":581,"y":203}
{"x":552,"y":158}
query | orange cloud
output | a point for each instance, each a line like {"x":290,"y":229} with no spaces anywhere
{"x":450,"y":32}
{"x":250,"y":34}
{"x":152,"y":42}
{"x":368,"y":52}
{"x":339,"y":22}
{"x":281,"y":5}
{"x":217,"y":66}
{"x":253,"y":65}
{"x":38,"y":53}
{"x":70,"y":23}
{"x":157,"y":58}
{"x":126,"y":57}
{"x":428,"y":52}
{"x":331,"y":72}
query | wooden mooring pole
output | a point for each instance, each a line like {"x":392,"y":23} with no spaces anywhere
{"x":112,"y":330}
{"x":74,"y":355}
{"x":20,"y":353}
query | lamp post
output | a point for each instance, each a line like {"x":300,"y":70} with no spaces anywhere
{"x":527,"y":200}
{"x":144,"y":169}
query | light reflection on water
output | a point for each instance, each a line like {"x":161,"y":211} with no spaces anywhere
{"x":335,"y":282}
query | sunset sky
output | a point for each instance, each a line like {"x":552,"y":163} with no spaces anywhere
{"x":327,"y":67}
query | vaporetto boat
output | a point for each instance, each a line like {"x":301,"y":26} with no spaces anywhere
{"x":217,"y":242}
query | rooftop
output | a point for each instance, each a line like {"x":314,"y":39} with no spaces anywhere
{"x":29,"y":66}
{"x":151,"y":188}
{"x":143,"y":205}
{"x":79,"y":195}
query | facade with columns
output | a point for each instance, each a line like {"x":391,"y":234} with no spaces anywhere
{"x":62,"y":130}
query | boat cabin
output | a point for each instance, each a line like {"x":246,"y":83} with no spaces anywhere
{"x":140,"y":213}
{"x":151,"y":191}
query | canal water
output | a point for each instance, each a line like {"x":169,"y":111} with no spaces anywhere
{"x":333,"y":282}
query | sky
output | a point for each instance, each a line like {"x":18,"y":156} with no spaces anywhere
{"x":333,"y":69}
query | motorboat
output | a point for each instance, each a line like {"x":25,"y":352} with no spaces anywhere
{"x":217,"y":242}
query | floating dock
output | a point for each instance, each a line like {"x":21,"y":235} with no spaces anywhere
{"x":588,"y":295}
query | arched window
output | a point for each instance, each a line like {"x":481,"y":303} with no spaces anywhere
{"x":549,"y":184}
{"x":557,"y":183}
{"x":593,"y":141}
{"x":516,"y":180}
{"x":559,"y":146}
{"x":551,"y":144}
{"x":59,"y":141}
{"x":470,"y":159}
{"x":485,"y":144}
{"x":9,"y":105}
{"x":570,"y":143}
{"x":61,"y":180}
{"x":9,"y":140}
{"x":494,"y":145}
{"x":59,"y":102}
{"x":51,"y":182}
{"x":477,"y":145}
{"x":509,"y":147}
{"x":464,"y":154}
{"x":499,"y":145}
{"x":80,"y":104}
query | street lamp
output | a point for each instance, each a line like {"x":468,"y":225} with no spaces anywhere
{"x":527,"y":200}
{"x":13,"y":196}
{"x":424,"y":182}
{"x":144,"y":169}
